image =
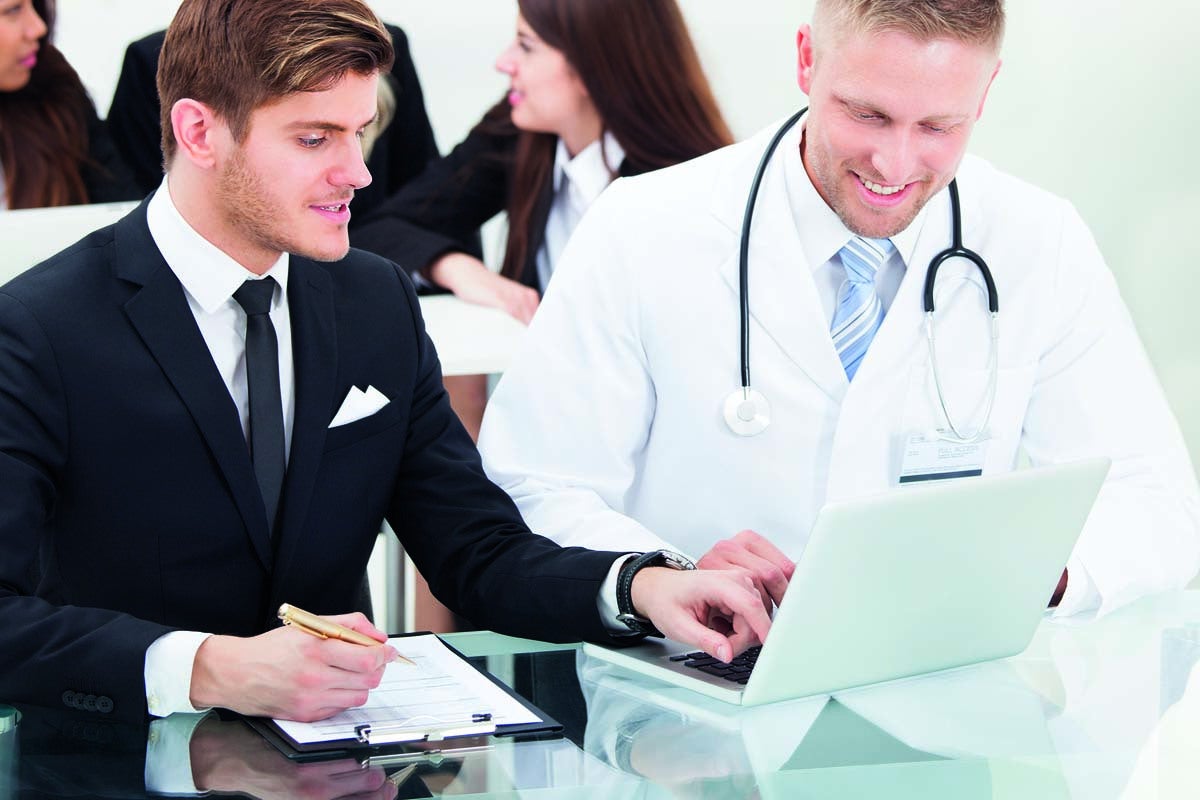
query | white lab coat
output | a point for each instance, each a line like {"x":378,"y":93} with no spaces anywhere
{"x":608,"y":429}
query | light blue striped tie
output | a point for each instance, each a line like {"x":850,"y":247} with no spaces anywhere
{"x":859,"y":312}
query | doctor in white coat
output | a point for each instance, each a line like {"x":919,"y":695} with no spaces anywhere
{"x":638,"y":333}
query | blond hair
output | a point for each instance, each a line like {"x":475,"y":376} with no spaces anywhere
{"x":978,"y":22}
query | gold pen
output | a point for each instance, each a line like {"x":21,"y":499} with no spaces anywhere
{"x":327,"y":629}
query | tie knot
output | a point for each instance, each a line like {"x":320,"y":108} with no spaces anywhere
{"x":255,"y":296}
{"x":862,"y":257}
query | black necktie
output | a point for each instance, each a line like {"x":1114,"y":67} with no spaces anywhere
{"x":262,"y":378}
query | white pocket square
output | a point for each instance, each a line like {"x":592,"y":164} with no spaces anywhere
{"x":358,"y":404}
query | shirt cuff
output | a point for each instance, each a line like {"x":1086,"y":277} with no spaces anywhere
{"x":169,"y":754}
{"x":606,"y":601}
{"x":1080,"y":595}
{"x":168,"y":672}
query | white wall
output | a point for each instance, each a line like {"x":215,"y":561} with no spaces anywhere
{"x":1098,"y":100}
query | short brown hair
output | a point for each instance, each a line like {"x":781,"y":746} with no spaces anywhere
{"x":979,"y":22}
{"x":238,"y":55}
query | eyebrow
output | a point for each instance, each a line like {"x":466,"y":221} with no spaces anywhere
{"x":323,"y":125}
{"x":944,"y":119}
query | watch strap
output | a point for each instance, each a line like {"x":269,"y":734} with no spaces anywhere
{"x":629,"y":570}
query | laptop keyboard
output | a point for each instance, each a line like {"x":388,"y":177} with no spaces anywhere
{"x":736,"y":671}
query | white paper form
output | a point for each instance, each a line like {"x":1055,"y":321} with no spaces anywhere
{"x":437,"y":690}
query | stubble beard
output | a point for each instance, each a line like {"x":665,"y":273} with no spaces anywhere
{"x":249,"y":206}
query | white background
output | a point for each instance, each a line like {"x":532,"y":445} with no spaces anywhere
{"x":1098,"y":100}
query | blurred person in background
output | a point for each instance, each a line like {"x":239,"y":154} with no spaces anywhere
{"x":598,"y":89}
{"x":54,"y":149}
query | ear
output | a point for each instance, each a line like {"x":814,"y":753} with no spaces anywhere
{"x":196,"y":130}
{"x":804,"y":57}
{"x":986,"y":89}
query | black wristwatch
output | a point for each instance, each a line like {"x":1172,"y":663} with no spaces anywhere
{"x":656,"y":558}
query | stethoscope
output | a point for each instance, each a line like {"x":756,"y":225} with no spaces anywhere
{"x":747,"y":412}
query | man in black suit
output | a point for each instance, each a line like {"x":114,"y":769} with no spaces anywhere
{"x":400,"y":152}
{"x":181,"y":452}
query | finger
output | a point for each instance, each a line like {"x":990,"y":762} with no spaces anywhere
{"x":314,"y":708}
{"x":524,"y":304}
{"x":359,"y":782}
{"x":748,"y":613}
{"x":524,"y":313}
{"x":514,"y":310}
{"x":691,"y":631}
{"x":768,"y":577}
{"x":357,"y":621}
{"x":763,"y":548}
{"x":355,"y":659}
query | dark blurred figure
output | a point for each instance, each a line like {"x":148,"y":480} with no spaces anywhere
{"x":54,"y":149}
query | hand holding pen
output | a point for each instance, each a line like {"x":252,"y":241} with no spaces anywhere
{"x":300,"y":675}
{"x":328,"y":629}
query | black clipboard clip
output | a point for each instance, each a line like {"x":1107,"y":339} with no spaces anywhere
{"x":480,"y":724}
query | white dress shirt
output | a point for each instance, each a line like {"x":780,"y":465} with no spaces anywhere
{"x":578,"y":182}
{"x":822,"y":235}
{"x":209,"y":278}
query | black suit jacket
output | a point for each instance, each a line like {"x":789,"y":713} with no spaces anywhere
{"x":442,"y":210}
{"x":128,"y":503}
{"x":399,"y":155}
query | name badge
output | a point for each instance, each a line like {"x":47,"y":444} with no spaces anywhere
{"x":929,"y":457}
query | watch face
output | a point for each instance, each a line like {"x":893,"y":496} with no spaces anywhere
{"x":676,"y":560}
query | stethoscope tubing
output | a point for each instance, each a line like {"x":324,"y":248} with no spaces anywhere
{"x":956,"y":250}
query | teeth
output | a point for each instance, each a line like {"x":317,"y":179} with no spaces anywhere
{"x":877,"y":189}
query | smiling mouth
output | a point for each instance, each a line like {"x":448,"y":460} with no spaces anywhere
{"x":334,"y":208}
{"x":880,"y":189}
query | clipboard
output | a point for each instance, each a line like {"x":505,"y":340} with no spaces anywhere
{"x":381,"y":738}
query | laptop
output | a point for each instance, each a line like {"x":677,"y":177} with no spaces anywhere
{"x":910,"y":581}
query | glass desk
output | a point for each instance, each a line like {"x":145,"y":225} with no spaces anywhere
{"x":1109,"y":709}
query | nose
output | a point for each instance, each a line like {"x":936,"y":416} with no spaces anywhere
{"x":506,"y":62}
{"x":35,"y":27}
{"x":895,"y":157}
{"x":351,"y":169}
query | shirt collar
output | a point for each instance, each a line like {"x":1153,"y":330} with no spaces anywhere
{"x":592,"y":169}
{"x":822,"y":233}
{"x":207,"y":273}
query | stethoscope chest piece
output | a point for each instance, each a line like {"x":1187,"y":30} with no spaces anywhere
{"x":747,"y":412}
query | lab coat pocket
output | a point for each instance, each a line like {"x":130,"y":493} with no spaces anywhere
{"x":965,"y":392}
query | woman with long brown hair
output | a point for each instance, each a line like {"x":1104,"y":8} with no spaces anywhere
{"x":598,"y":89}
{"x":54,"y":150}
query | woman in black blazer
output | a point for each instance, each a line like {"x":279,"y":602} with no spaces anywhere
{"x":583,"y":72}
{"x":599,"y":89}
{"x":54,"y":149}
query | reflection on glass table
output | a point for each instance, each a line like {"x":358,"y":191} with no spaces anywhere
{"x":1093,"y":711}
{"x":1109,"y":709}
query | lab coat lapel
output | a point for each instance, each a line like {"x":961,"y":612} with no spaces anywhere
{"x":160,"y":314}
{"x":783,"y":297}
{"x":314,"y":356}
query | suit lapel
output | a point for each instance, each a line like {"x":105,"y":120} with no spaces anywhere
{"x":159,"y":312}
{"x":314,"y":358}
